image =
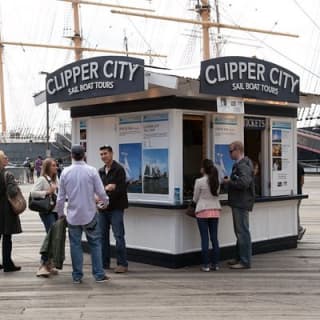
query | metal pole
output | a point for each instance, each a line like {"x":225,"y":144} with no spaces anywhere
{"x":48,"y":152}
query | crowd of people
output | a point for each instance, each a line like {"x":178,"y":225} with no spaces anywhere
{"x":97,"y":200}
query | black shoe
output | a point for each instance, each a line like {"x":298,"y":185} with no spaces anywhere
{"x":233,"y":262}
{"x":12,"y":268}
{"x":301,"y":233}
{"x":1,"y":266}
{"x":239,"y":266}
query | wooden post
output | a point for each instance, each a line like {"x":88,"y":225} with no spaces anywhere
{"x":217,"y":42}
{"x":77,"y":36}
{"x":3,"y":110}
{"x":205,"y":17}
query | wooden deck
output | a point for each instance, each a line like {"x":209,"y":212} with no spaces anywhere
{"x":281,"y":285}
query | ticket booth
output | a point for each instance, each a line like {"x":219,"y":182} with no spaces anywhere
{"x":161,"y":127}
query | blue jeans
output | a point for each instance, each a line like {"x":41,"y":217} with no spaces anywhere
{"x":114,"y":219}
{"x":242,"y":232}
{"x":209,"y":225}
{"x":48,"y":219}
{"x":93,"y":235}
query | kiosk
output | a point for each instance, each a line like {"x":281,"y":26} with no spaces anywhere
{"x":161,"y":127}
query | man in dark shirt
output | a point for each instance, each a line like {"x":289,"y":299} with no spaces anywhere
{"x":241,"y":195}
{"x":113,"y":177}
{"x":300,"y":182}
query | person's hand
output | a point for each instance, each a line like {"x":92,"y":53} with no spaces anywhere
{"x":52,"y":189}
{"x":226,"y":180}
{"x":110,"y":187}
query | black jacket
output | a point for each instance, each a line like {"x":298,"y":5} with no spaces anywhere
{"x":241,"y":189}
{"x":9,"y":222}
{"x":118,"y":198}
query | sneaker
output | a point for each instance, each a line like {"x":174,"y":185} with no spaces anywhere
{"x":120,"y":269}
{"x":301,"y":233}
{"x":43,"y":271}
{"x":104,"y":279}
{"x":205,"y":268}
{"x":214,"y":267}
{"x":76,"y":281}
{"x":232,"y":262}
{"x":53,"y":271}
{"x":239,"y":266}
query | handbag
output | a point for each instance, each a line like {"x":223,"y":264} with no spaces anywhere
{"x":191,"y":210}
{"x":46,"y":204}
{"x":41,"y":204}
{"x":18,"y":202}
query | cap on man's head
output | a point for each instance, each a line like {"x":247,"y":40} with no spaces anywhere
{"x":77,"y":149}
{"x":106,"y":147}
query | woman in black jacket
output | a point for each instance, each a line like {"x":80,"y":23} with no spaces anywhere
{"x":9,"y":222}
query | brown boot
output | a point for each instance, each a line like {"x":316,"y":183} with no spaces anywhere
{"x":120,"y":269}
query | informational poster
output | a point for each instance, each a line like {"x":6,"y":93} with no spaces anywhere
{"x":230,"y":105}
{"x":143,"y":152}
{"x":282,"y":157}
{"x":226,"y":129}
{"x":130,"y":129}
{"x":130,"y":151}
{"x":155,"y":131}
{"x":83,"y":134}
{"x":155,"y":153}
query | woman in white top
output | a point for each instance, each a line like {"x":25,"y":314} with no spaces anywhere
{"x":47,"y":184}
{"x":208,"y":209}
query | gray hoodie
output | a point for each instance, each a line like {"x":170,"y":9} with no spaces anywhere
{"x":241,"y":190}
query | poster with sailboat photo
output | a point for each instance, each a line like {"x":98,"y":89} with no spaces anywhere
{"x":155,"y":174}
{"x":143,"y":152}
{"x":130,"y":159}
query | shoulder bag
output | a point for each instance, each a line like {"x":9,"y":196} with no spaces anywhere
{"x":18,"y":202}
{"x":191,"y":210}
{"x":45,"y":204}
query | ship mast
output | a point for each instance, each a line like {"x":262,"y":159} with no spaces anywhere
{"x":78,"y":49}
{"x":204,"y":11}
{"x":3,"y":113}
{"x":77,"y":39}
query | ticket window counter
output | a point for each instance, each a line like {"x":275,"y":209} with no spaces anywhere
{"x":194,"y":151}
{"x":254,"y":137}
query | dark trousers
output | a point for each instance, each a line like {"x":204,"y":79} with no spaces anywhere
{"x":242,"y":232}
{"x":209,"y":226}
{"x":6,"y":250}
{"x":114,"y":219}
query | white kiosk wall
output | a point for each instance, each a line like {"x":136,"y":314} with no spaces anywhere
{"x":169,"y":230}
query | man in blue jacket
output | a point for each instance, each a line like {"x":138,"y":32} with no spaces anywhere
{"x":241,"y":195}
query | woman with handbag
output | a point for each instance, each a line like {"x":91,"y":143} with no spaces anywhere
{"x":207,"y":210}
{"x":46,"y":186}
{"x":9,"y":221}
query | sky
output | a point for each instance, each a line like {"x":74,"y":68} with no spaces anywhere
{"x":50,"y":21}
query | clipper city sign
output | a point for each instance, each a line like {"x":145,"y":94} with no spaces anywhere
{"x":248,"y":78}
{"x":95,"y":77}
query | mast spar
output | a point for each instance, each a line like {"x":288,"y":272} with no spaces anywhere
{"x":3,"y":113}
